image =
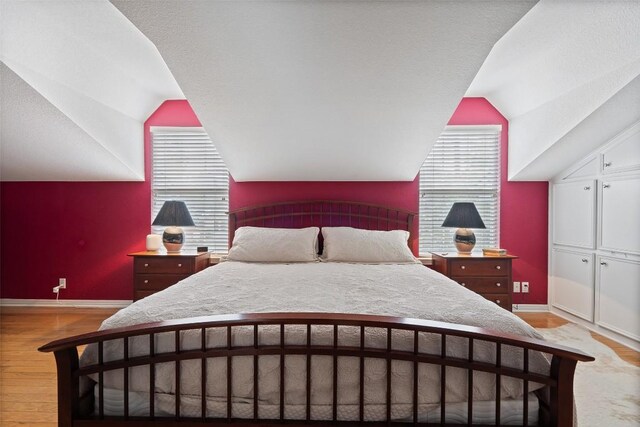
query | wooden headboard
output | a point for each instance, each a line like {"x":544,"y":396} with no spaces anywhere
{"x":323,"y":213}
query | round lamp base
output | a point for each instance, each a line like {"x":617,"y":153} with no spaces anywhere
{"x":464,"y":240}
{"x":173,"y":239}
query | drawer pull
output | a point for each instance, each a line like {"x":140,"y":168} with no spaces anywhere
{"x":587,"y":188}
{"x":464,"y":284}
{"x":146,"y":281}
{"x":585,"y":260}
{"x":603,"y":263}
{"x":498,"y":267}
{"x":179,"y":265}
{"x":462,"y":267}
{"x":146,"y":265}
{"x":607,"y":164}
{"x":498,"y":284}
{"x":606,"y":186}
{"x":497,"y":301}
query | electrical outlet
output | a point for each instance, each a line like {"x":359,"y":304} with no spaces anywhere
{"x":62,"y":283}
{"x":516,"y":287}
{"x":525,"y":287}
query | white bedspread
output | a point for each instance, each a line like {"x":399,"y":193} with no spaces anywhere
{"x":397,"y":290}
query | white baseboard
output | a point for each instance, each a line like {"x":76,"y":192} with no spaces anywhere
{"x":74,"y":303}
{"x":533,"y":308}
{"x":626,"y":341}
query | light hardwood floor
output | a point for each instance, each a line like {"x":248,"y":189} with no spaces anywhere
{"x":28,"y":378}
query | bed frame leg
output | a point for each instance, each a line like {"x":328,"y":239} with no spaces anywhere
{"x":68,"y":386}
{"x":562,"y":404}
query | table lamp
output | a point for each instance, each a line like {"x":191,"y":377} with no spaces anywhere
{"x":173,"y":214}
{"x":465,"y":216}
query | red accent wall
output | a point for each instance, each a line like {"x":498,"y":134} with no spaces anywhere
{"x":523,"y":208}
{"x":83,"y":230}
{"x":400,"y":195}
{"x":79,"y":230}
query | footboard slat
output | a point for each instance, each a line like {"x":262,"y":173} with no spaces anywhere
{"x":177,"y":369}
{"x":470,"y":386}
{"x":125,"y":376}
{"x":525,"y":391}
{"x":498,"y":381}
{"x":443,"y":380}
{"x":101,"y":380}
{"x":152,"y":377}
{"x":203,"y":376}
{"x":556,"y":408}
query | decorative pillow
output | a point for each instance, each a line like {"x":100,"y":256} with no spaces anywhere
{"x":261,"y":244}
{"x":348,"y":244}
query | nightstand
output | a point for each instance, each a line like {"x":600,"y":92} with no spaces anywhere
{"x":489,"y":276}
{"x":155,"y":271}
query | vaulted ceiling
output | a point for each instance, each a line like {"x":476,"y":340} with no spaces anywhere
{"x":310,"y":90}
{"x":566,"y":77}
{"x":78,"y":80}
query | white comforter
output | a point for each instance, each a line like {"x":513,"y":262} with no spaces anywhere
{"x":408,"y":290}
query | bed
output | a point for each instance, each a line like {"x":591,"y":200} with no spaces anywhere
{"x":331,"y":343}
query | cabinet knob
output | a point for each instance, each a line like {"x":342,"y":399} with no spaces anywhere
{"x":179,"y":265}
{"x":462,"y":267}
{"x":146,"y":281}
{"x":607,"y":164}
{"x":498,"y":267}
{"x":603,"y":263}
{"x":606,"y":186}
{"x":464,"y":284}
{"x":497,"y":301}
{"x":587,"y":188}
{"x":146,"y":265}
{"x":498,"y":284}
{"x":585,"y":260}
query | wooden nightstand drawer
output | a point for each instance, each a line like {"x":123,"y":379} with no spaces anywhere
{"x":486,"y":267}
{"x":167,"y":264}
{"x":156,"y":271}
{"x":503,"y":300}
{"x":485,"y":285}
{"x":156,"y":282}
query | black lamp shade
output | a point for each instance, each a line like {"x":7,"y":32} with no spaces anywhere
{"x":174,"y":213}
{"x":463,"y":215}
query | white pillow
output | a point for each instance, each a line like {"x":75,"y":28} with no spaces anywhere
{"x":261,"y":244}
{"x":348,"y":244}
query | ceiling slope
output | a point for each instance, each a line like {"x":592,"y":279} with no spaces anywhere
{"x":340,"y":90}
{"x":78,"y":82}
{"x":566,"y":78}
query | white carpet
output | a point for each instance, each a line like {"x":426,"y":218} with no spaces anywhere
{"x":607,"y":391}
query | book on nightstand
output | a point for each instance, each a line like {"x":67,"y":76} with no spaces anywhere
{"x":494,"y":251}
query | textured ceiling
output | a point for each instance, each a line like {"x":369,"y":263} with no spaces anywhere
{"x":78,"y":82}
{"x":564,"y":77}
{"x":324,"y":90}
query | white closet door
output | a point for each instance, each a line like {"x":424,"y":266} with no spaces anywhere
{"x":619,"y":296}
{"x":621,"y":215}
{"x":574,"y":213}
{"x":573,"y":282}
{"x":623,"y":156}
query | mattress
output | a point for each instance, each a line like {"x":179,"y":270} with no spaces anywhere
{"x":511,"y":411}
{"x":406,"y":290}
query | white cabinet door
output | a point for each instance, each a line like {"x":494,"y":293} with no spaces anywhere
{"x":573,"y":284}
{"x":624,"y":155}
{"x":619,"y":296}
{"x":574,"y":205}
{"x":621,"y":215}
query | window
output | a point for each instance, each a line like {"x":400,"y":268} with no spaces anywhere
{"x":187,"y":167}
{"x":463,"y":166}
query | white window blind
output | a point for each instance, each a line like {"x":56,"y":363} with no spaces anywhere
{"x":187,"y":167}
{"x":463,"y":166}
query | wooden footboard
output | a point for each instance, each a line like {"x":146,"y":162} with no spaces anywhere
{"x":77,"y":409}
